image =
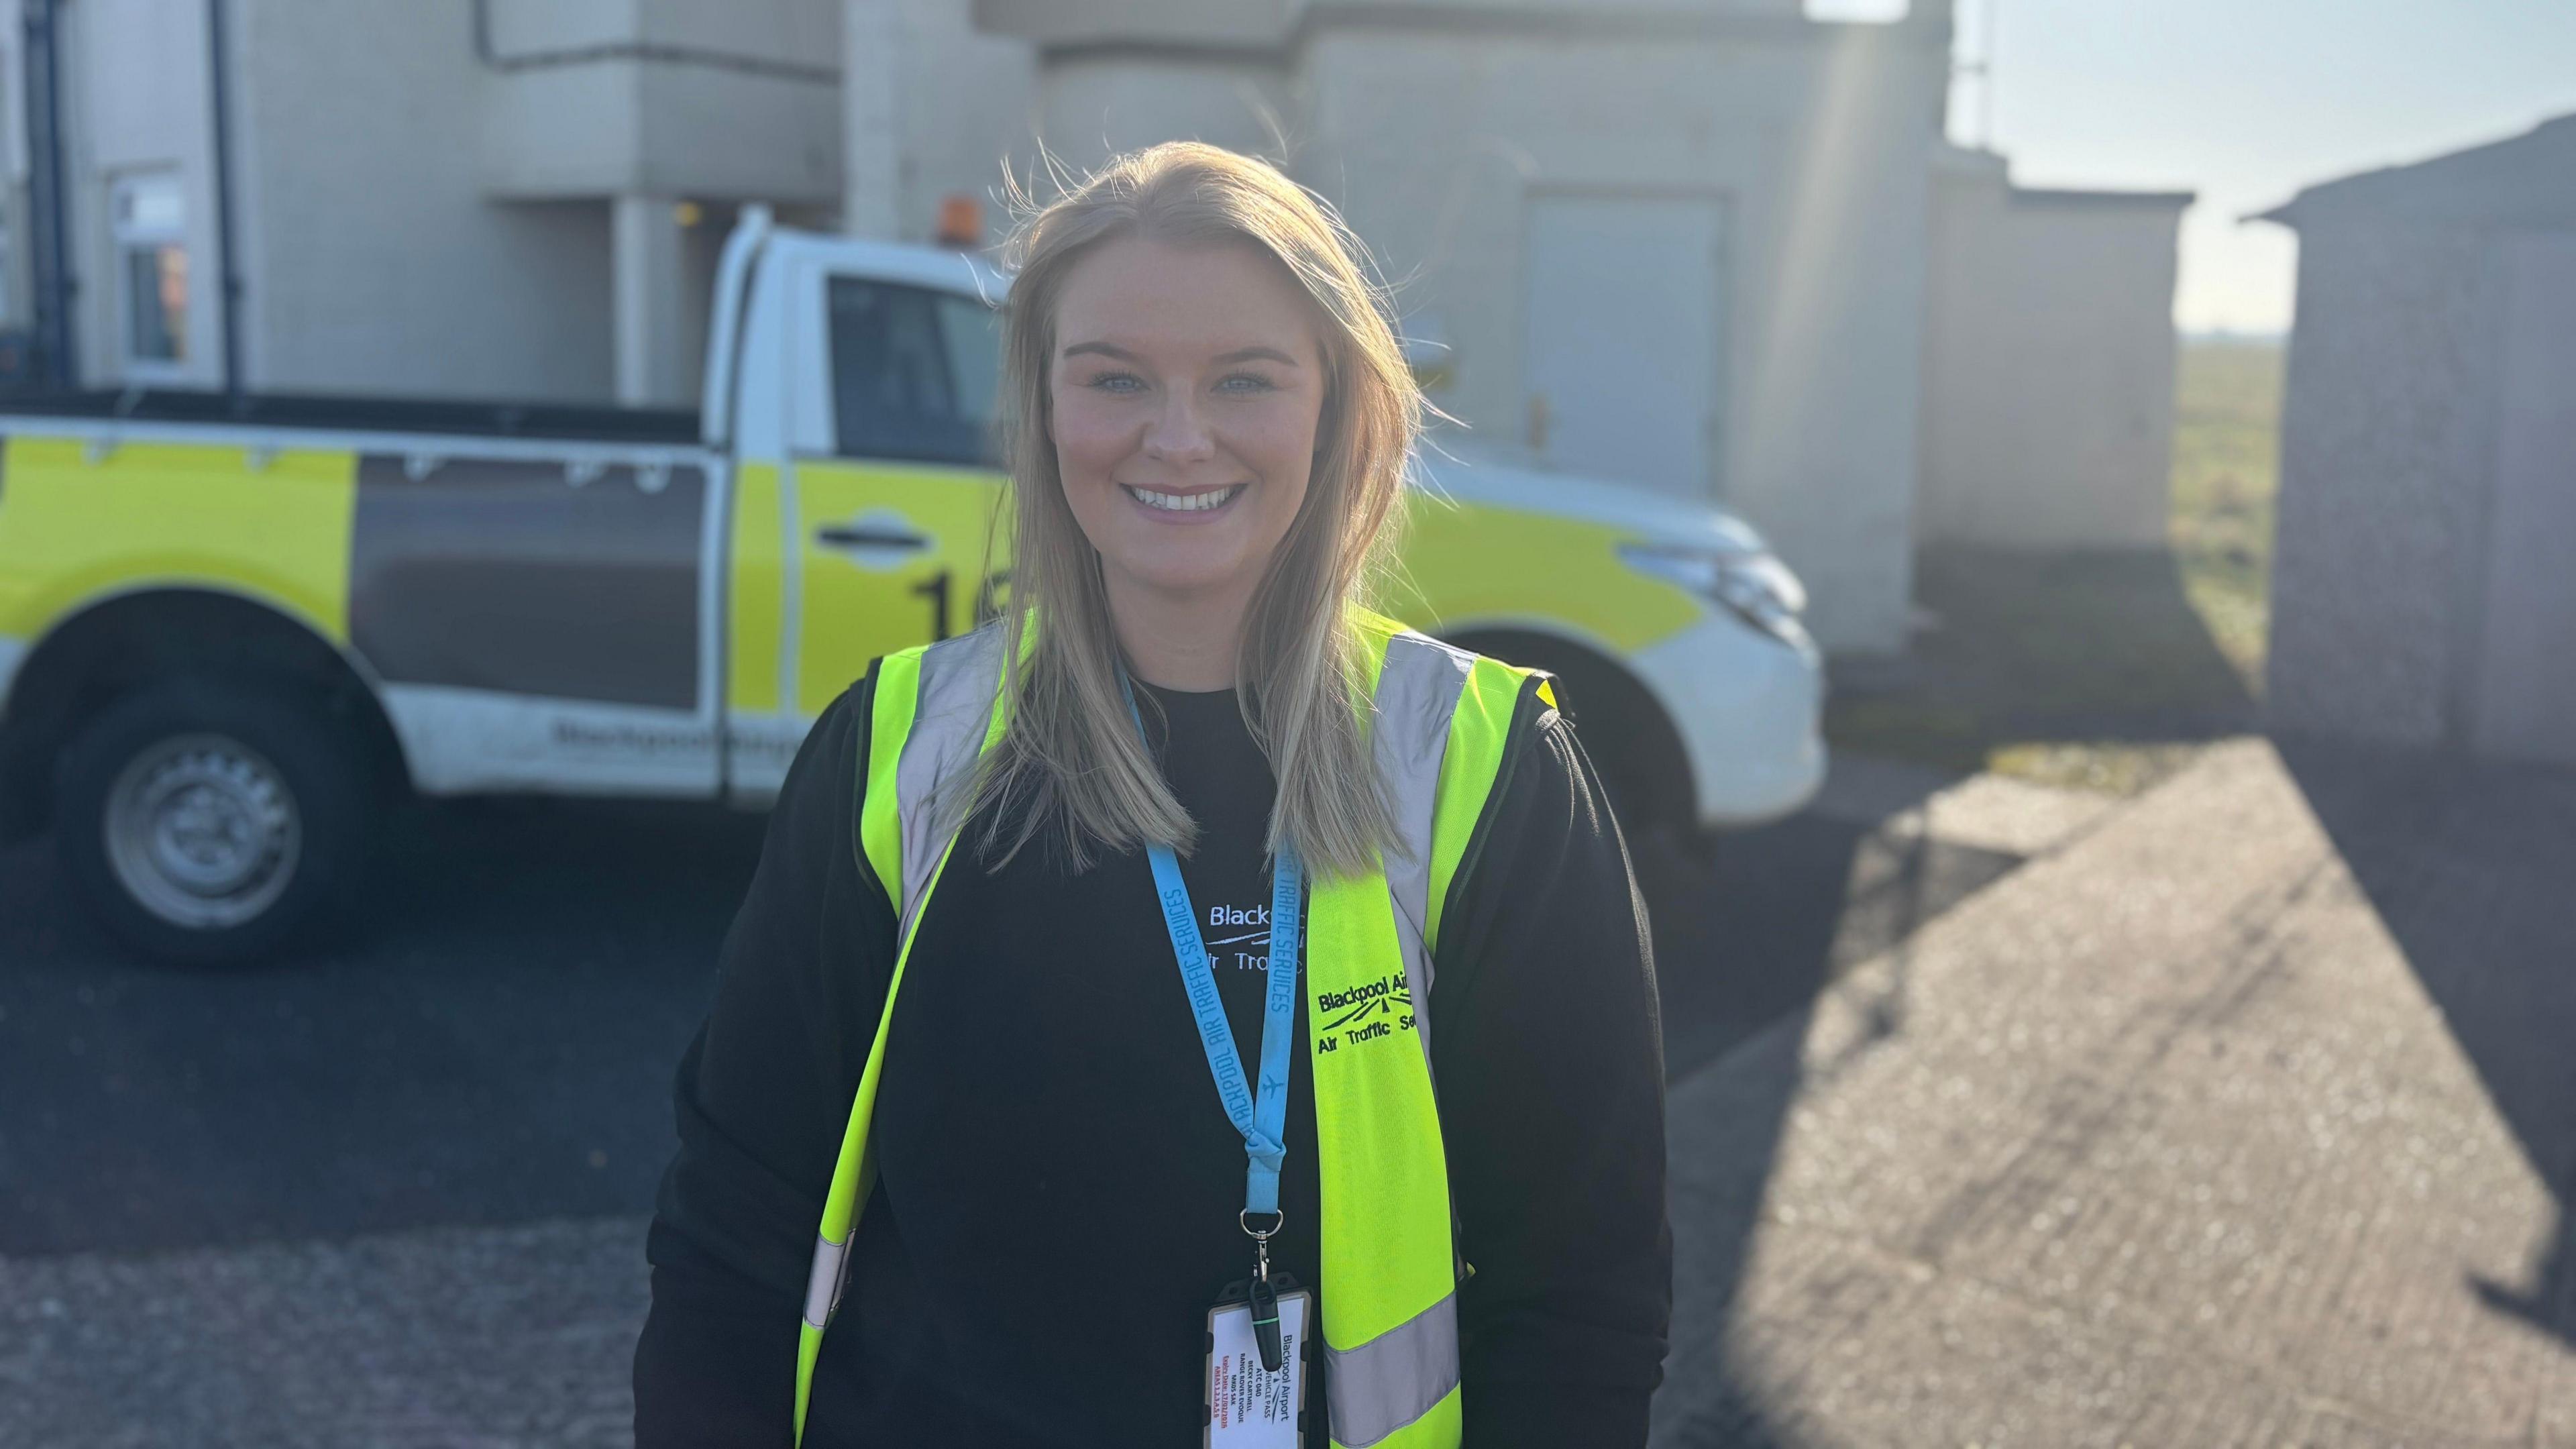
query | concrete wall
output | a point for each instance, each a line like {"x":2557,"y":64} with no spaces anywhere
{"x":2387,"y":456}
{"x":2525,"y":687}
{"x":2420,"y":590}
{"x":374,"y":258}
{"x":935,"y":108}
{"x":369,"y":257}
{"x":422,"y":210}
{"x":1816,"y":146}
{"x":677,"y":98}
{"x":1268,"y":22}
{"x":2049,"y":365}
{"x":135,"y":101}
{"x":1095,"y":105}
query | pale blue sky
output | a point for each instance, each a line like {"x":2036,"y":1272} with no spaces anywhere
{"x":2246,"y":101}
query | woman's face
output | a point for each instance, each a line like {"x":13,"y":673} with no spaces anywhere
{"x":1186,"y":387}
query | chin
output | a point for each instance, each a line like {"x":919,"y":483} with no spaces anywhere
{"x":1187,"y":576}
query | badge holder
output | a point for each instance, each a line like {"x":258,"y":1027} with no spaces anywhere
{"x":1260,"y":1337}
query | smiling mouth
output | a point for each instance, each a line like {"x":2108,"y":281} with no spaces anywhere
{"x":1200,"y":502}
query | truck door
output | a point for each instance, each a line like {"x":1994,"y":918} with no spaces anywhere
{"x":539,"y":615}
{"x":894,"y":486}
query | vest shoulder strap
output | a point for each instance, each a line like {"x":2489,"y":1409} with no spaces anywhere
{"x":935,"y":711}
{"x":1442,"y":729}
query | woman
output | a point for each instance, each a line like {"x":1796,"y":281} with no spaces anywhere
{"x":1139,"y":925}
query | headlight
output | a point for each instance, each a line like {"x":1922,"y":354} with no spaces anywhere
{"x":1755,"y":587}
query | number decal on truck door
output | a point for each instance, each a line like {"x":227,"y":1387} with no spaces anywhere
{"x":935,"y":589}
{"x":988,"y":605}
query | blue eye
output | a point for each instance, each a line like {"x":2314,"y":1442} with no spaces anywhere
{"x":1103,"y":383}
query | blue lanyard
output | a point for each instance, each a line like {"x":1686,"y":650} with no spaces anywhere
{"x":1261,"y":1117}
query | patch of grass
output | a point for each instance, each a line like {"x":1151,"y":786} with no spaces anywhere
{"x":2104,"y":767}
{"x":2101,"y":671}
{"x":2227,"y":407}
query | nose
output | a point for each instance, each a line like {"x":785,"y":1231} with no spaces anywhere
{"x":1178,"y":434}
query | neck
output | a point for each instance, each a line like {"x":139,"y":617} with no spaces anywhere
{"x":1174,"y":641}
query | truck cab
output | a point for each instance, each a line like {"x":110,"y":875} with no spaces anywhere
{"x":854,"y":393}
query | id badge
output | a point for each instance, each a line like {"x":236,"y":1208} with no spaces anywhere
{"x":1249,"y":1407}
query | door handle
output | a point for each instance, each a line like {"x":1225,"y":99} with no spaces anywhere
{"x":870,"y":535}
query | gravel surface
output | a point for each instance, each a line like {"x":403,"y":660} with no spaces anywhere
{"x":448,"y":1338}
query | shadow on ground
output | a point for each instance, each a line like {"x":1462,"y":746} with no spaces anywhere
{"x":1738,"y":950}
{"x":2027,"y":650}
{"x":2087,"y":669}
{"x":2472,"y":869}
{"x":1782,"y":912}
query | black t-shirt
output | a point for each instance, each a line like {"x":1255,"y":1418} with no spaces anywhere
{"x":1057,"y":1185}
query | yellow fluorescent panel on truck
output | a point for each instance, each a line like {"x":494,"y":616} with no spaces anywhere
{"x":74,"y":529}
{"x":1473,"y":562}
{"x":759,"y":590}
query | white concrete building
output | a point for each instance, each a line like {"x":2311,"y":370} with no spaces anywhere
{"x":509,"y":198}
{"x":2048,"y":368}
{"x":2421,"y":587}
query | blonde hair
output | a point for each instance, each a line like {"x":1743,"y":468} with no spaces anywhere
{"x":1070,"y":762}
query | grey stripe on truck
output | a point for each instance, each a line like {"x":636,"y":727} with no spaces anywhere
{"x":511,"y":576}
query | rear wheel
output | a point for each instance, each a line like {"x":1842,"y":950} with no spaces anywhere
{"x":1633,"y":748}
{"x":206,"y":824}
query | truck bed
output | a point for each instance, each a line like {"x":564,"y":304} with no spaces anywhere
{"x":466,"y":417}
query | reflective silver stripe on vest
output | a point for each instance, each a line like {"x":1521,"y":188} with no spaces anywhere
{"x":1417,"y":693}
{"x":1394,"y":1378}
{"x":959,"y":678}
{"x":823,"y":1281}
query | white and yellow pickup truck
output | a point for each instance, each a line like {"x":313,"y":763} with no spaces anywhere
{"x":231,"y":634}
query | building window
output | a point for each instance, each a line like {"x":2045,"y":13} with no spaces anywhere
{"x":150,"y":227}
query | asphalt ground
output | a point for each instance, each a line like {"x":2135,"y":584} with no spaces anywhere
{"x":490,"y":1039}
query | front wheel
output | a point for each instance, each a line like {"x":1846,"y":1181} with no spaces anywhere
{"x":206,"y":824}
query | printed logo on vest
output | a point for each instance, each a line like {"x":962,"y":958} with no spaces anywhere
{"x":1368,"y":1012}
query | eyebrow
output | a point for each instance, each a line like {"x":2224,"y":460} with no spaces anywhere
{"x":1240,"y":354}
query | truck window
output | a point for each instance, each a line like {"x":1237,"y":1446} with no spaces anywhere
{"x":914,"y":372}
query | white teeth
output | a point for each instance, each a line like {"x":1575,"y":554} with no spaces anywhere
{"x":1183,"y":502}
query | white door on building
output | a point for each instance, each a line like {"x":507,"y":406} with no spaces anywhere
{"x":1626,"y":314}
{"x":2525,"y":700}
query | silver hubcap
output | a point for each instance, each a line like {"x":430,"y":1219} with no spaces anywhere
{"x":202,"y":832}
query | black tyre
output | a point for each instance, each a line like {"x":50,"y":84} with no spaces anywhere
{"x":206,"y":824}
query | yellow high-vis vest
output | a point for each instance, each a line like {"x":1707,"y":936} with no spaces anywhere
{"x":1440,"y":721}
